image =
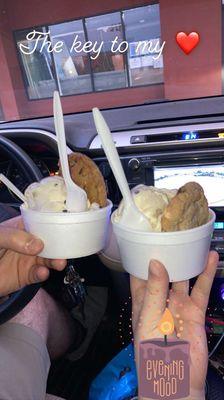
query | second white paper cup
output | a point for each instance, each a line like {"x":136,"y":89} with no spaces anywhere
{"x":183,"y":253}
{"x":68,"y":235}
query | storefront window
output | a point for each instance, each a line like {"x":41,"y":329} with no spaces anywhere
{"x":189,"y":64}
{"x":142,"y":30}
{"x":37,"y":64}
{"x":110,"y":51}
{"x":72,"y":67}
{"x":108,"y":67}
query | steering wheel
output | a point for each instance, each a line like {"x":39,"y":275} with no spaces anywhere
{"x":18,"y":300}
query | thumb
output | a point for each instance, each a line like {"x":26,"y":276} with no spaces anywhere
{"x":20,"y":241}
{"x":36,"y":273}
{"x":155,"y":296}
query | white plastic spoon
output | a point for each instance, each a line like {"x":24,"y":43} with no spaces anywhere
{"x":131,"y":216}
{"x":76,"y":200}
{"x":12,"y":187}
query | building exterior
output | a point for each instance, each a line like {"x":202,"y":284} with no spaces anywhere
{"x":102,"y":77}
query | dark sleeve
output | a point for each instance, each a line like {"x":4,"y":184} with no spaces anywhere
{"x":7,"y":212}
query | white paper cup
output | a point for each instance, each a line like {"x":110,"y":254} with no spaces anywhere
{"x":183,"y":253}
{"x":69,"y":235}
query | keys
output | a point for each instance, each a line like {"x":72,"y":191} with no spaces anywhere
{"x":73,"y":291}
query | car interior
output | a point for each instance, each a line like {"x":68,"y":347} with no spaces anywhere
{"x":168,"y":129}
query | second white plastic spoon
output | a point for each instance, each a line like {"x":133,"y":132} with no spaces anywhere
{"x":76,"y":200}
{"x":131,"y":216}
{"x":12,"y":187}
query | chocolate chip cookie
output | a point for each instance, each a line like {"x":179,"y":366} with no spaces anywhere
{"x":187,"y":209}
{"x":87,"y":175}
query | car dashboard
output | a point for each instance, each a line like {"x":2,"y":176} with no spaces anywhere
{"x":161,"y":144}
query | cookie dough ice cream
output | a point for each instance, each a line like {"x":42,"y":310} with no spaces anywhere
{"x":65,"y":234}
{"x":151,"y":202}
{"x":49,"y":195}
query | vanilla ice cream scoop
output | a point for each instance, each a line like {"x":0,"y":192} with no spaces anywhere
{"x":47,"y":195}
{"x":151,"y":202}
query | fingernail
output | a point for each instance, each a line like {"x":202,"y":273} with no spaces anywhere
{"x":37,"y":279}
{"x":154,"y":268}
{"x":34,"y":245}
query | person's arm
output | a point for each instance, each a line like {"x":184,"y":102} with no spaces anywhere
{"x":19,"y":261}
{"x":149,"y":300}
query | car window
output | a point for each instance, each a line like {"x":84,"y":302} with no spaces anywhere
{"x":108,"y":56}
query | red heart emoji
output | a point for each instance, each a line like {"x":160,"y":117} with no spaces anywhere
{"x":187,"y":42}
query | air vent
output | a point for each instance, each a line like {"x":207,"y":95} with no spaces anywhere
{"x":182,"y":135}
{"x":176,"y":136}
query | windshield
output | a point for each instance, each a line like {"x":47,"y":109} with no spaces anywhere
{"x":107,"y":54}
